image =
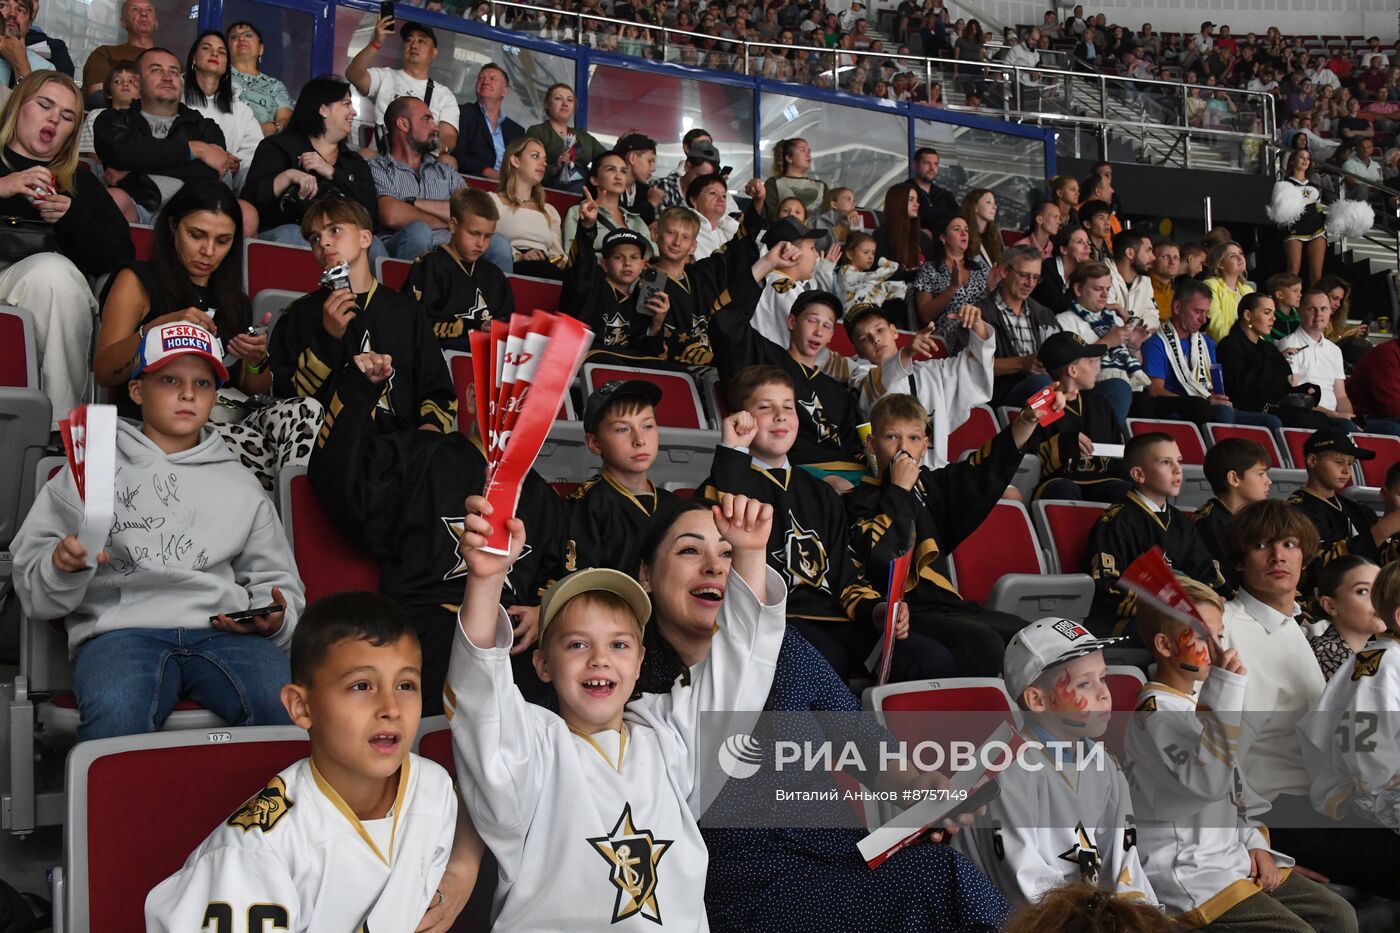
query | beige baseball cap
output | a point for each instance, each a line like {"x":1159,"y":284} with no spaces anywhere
{"x":593,"y":580}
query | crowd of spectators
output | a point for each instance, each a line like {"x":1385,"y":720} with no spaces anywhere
{"x":684,"y":271}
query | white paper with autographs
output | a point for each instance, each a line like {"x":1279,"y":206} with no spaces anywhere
{"x":99,"y":478}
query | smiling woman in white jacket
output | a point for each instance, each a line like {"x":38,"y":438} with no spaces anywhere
{"x":209,"y":89}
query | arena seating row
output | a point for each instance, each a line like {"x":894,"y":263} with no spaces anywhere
{"x":230,"y":764}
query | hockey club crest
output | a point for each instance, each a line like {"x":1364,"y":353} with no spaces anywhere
{"x":1367,"y":663}
{"x":455,"y":527}
{"x":1085,"y":854}
{"x":479,"y":312}
{"x":826,"y":431}
{"x":633,"y":855}
{"x":263,"y":809}
{"x":615,"y":328}
{"x":804,"y":556}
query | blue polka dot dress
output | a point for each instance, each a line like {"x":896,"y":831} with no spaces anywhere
{"x":768,"y":880}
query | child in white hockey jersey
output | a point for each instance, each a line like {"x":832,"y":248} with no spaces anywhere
{"x":1206,"y":854}
{"x":358,"y":835}
{"x":1063,"y":813}
{"x":1351,"y":740}
{"x":592,"y":813}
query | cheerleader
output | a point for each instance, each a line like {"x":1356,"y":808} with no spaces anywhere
{"x":1296,"y":206}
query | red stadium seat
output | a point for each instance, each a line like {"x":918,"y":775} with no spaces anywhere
{"x":1064,"y":528}
{"x":532,"y":294}
{"x":564,"y":489}
{"x":482,"y":184}
{"x":841,"y":343}
{"x":1000,"y":566}
{"x":279,"y":265}
{"x":435,"y":744}
{"x":561,"y":200}
{"x":327,"y":560}
{"x":954,"y":709}
{"x":1123,"y":685}
{"x":1261,"y":436}
{"x":1387,"y":450}
{"x":460,"y":366}
{"x":141,"y":238}
{"x":112,"y":859}
{"x":19,"y":349}
{"x":1009,"y":237}
{"x":393,"y":272}
{"x":1294,"y":439}
{"x":1186,"y":435}
{"x":680,"y":400}
{"x":980,"y":427}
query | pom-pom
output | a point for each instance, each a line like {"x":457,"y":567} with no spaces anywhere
{"x":1287,"y":204}
{"x":1349,"y":218}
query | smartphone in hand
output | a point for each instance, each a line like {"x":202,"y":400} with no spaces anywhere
{"x":653,"y":282}
{"x":387,"y":9}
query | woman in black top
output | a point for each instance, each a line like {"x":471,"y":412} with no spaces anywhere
{"x":899,"y":238}
{"x":311,"y":159}
{"x":40,"y":182}
{"x":1255,"y":372}
{"x":1072,"y":246}
{"x":195,"y":275}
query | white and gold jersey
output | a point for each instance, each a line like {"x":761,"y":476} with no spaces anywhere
{"x":295,"y":858}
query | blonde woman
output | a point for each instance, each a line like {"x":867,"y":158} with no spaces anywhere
{"x":528,"y":222}
{"x":1225,"y":277}
{"x":979,"y":209}
{"x":39,"y":181}
{"x":792,"y":160}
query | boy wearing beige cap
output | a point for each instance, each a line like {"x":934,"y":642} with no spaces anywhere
{"x":592,"y":813}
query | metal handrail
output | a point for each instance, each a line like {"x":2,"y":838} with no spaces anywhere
{"x":1016,"y":79}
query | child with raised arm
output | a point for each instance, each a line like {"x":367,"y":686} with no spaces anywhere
{"x":606,"y":297}
{"x":592,"y":812}
{"x":1206,"y":854}
{"x":355,"y":837}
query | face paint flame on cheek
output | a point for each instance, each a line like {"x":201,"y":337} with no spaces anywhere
{"x":1191,"y":653}
{"x":1066,"y":698}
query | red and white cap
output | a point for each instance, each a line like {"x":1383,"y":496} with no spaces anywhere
{"x":166,"y":342}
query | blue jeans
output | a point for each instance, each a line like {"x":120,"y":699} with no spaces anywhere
{"x":1256,"y":419}
{"x":1375,"y":424}
{"x":1119,"y":395}
{"x":410,"y":241}
{"x":291,"y":235}
{"x":128,"y":681}
{"x":1016,"y":396}
{"x":499,"y":254}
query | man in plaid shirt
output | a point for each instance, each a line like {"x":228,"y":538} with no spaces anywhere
{"x":413,"y":186}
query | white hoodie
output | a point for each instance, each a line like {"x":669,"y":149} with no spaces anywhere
{"x":194,"y":536}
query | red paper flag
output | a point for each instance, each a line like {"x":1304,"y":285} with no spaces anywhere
{"x":1151,"y":578}
{"x":899,"y":573}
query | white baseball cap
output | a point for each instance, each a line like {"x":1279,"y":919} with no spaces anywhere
{"x":166,"y":342}
{"x":1043,"y":644}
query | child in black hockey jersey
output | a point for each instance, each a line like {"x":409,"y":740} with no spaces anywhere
{"x":1238,"y":472}
{"x":1144,"y":518}
{"x":1069,"y":468}
{"x":457,"y":291}
{"x":605,"y":297}
{"x":1343,"y":525}
{"x":609,"y":513}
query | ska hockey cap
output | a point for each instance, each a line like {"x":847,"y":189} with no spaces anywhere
{"x":1043,"y":644}
{"x":593,"y":580}
{"x":166,"y":342}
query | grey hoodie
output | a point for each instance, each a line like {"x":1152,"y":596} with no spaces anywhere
{"x":194,"y":535}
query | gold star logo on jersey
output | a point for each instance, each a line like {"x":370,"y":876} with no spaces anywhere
{"x":479,"y":312}
{"x":826,"y":431}
{"x":263,"y":809}
{"x":634,"y":855}
{"x":455,"y":527}
{"x":804,"y":556}
{"x":1367,"y":663}
{"x":783,"y":286}
{"x":1148,"y":705}
{"x":385,"y":402}
{"x":1085,"y":854}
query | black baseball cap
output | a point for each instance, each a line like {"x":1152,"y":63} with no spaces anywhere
{"x":623,"y":236}
{"x":790,"y":230}
{"x":411,"y":27}
{"x":606,"y":394}
{"x":1337,"y":441}
{"x":1062,"y":348}
{"x":860,"y":311}
{"x":634,"y":142}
